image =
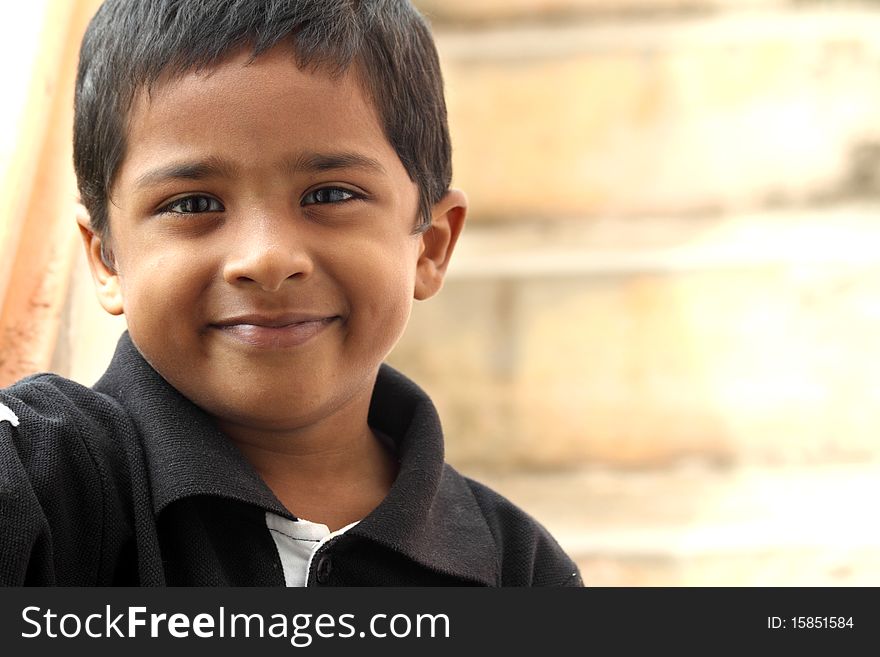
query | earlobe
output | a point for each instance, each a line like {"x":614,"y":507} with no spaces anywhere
{"x":104,"y":275}
{"x":438,"y":243}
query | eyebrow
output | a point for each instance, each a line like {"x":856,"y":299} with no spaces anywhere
{"x":318,"y":162}
{"x":213,"y":167}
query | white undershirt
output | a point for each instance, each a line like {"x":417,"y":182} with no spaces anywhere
{"x":297,"y":541}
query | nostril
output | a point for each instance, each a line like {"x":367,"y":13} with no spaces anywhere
{"x":268,"y":269}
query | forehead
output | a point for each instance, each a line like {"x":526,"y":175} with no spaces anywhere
{"x":252,"y":109}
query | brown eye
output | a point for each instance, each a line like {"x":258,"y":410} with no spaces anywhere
{"x":328,"y":195}
{"x":194,"y":204}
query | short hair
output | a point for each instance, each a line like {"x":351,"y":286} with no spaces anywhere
{"x":130,"y":44}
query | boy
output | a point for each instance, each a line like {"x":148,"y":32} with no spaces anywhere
{"x":267,"y":187}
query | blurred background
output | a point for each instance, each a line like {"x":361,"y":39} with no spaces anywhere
{"x":660,"y":334}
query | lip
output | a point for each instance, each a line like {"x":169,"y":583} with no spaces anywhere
{"x":274,"y":331}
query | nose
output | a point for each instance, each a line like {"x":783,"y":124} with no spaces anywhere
{"x":267,"y":253}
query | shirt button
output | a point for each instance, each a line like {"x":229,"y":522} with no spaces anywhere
{"x":325,"y":567}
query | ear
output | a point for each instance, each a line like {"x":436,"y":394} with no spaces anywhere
{"x":438,"y":242}
{"x":104,"y":276}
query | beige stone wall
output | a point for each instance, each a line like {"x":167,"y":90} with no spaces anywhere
{"x":671,"y":253}
{"x":700,"y":348}
{"x":643,"y":118}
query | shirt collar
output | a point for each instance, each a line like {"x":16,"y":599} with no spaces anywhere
{"x":430,"y":514}
{"x":186,"y":454}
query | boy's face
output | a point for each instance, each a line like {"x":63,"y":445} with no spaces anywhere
{"x":261,"y":230}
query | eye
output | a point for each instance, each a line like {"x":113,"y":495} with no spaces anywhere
{"x":193,"y":205}
{"x":328,"y":195}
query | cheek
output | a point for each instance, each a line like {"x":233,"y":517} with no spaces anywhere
{"x":161,"y":286}
{"x":381,"y":287}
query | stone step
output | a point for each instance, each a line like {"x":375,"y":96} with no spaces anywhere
{"x":747,"y":339}
{"x":671,"y":116}
{"x":700,"y":526}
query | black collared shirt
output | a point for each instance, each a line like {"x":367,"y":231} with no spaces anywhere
{"x":129,"y":483}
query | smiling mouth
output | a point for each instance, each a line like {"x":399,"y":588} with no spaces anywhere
{"x":274,"y":333}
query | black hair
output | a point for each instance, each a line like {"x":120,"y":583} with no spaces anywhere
{"x":130,"y":44}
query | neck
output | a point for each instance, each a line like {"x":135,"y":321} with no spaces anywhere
{"x":333,"y":473}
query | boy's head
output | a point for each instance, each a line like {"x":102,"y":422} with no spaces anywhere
{"x":257,"y":168}
{"x":132,"y":44}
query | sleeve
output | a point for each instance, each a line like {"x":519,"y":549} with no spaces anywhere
{"x":527,"y":553}
{"x":25,"y":544}
{"x":51,"y":507}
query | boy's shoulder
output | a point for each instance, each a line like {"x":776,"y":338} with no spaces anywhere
{"x":53,"y":427}
{"x":62,"y":456}
{"x":47,"y":409}
{"x":528,"y":553}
